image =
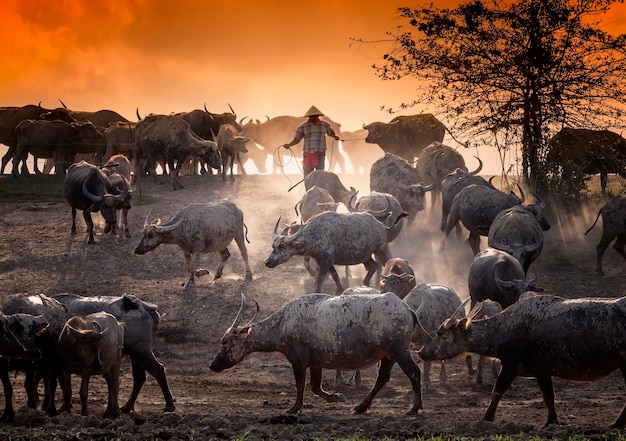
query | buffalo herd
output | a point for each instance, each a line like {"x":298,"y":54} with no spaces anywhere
{"x":541,"y":336}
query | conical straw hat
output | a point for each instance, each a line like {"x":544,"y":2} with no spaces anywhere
{"x":314,"y":111}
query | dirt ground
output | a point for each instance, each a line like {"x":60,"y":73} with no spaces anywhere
{"x":38,"y":255}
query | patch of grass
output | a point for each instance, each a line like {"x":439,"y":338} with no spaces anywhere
{"x":35,"y":188}
{"x":43,"y":188}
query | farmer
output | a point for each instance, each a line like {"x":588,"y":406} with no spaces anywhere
{"x":313,"y":131}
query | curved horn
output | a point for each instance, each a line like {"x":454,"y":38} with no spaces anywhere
{"x":351,"y":204}
{"x":532,"y":248}
{"x":540,"y":201}
{"x":76,"y":332}
{"x":431,"y":186}
{"x":90,"y":195}
{"x":206,"y":109}
{"x":63,"y":104}
{"x":480,"y":166}
{"x":242,"y":308}
{"x":124,"y":194}
{"x":145,"y":222}
{"x":275,"y":232}
{"x":137,"y":113}
{"x":500,"y":246}
{"x":242,"y":120}
{"x":253,"y":319}
{"x":382,"y":213}
{"x":490,"y":182}
{"x":521,"y":192}
{"x":503,"y":283}
{"x":166,"y":228}
{"x":267,"y":118}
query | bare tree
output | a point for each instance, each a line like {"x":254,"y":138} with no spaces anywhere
{"x":513,"y":71}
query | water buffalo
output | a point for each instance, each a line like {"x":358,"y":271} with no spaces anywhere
{"x":331,"y":182}
{"x":87,"y":188}
{"x":476,"y":206}
{"x":386,"y":208}
{"x":334,"y":239}
{"x":198,"y":229}
{"x":56,"y":139}
{"x":542,"y":336}
{"x":614,"y":225}
{"x":319,"y":331}
{"x":519,"y":231}
{"x":496,"y":275}
{"x":392,"y":174}
{"x":141,"y":322}
{"x":231,"y":144}
{"x":169,"y":138}
{"x":37,"y":320}
{"x":438,"y":160}
{"x":91,"y":345}
{"x":406,"y":136}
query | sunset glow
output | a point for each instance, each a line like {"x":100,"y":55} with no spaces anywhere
{"x":263,"y":57}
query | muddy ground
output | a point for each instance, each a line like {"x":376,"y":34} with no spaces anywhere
{"x":38,"y":255}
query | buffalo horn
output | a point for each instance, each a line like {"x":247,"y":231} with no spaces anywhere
{"x":480,"y":166}
{"x":166,"y":228}
{"x":275,"y":232}
{"x":77,"y":333}
{"x":231,"y":109}
{"x":242,"y":308}
{"x":242,"y":120}
{"x":431,"y":186}
{"x":145,"y":222}
{"x":521,"y":192}
{"x":540,"y":201}
{"x":88,"y":194}
{"x":256,"y":313}
{"x":63,"y":104}
{"x":124,"y":194}
{"x":503,"y":283}
{"x":383,"y":214}
{"x":137,"y":113}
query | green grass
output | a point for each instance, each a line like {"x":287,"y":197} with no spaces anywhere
{"x":42,"y":188}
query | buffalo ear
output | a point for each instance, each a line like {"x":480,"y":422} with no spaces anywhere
{"x":245,"y":330}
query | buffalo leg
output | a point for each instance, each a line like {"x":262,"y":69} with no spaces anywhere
{"x":84,"y":394}
{"x":384,"y":373}
{"x":316,"y":387}
{"x":73,"y":221}
{"x":240,"y":241}
{"x":224,"y":256}
{"x":335,"y":276}
{"x":141,"y":363}
{"x":191,"y":261}
{"x":503,"y":382}
{"x":474,"y":241}
{"x":412,"y":371}
{"x":621,"y":420}
{"x":600,"y":249}
{"x":371,"y":267}
{"x":299,"y":373}
{"x":9,"y":413}
{"x":547,"y":390}
{"x":89,"y":222}
{"x":619,"y":245}
{"x":113,"y":385}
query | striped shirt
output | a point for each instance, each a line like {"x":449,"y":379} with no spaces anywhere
{"x":314,"y":135}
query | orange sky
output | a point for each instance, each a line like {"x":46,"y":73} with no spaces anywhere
{"x":265,"y":57}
